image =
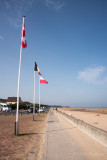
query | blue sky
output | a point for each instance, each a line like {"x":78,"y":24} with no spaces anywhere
{"x":68,"y":39}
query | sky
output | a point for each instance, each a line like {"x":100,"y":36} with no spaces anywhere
{"x":68,"y":39}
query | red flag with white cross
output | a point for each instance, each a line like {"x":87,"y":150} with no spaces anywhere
{"x":23,"y":38}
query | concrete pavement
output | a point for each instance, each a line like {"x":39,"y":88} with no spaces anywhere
{"x":59,"y":145}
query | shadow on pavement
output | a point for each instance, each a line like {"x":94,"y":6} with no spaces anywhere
{"x":25,"y":134}
{"x":61,"y":129}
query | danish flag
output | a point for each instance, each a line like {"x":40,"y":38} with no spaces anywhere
{"x":23,"y":38}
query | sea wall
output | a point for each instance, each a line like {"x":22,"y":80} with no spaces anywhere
{"x":96,"y":133}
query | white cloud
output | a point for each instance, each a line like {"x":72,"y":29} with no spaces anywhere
{"x":7,"y":4}
{"x":56,"y":4}
{"x":1,"y":38}
{"x":93,"y":75}
{"x":14,"y":10}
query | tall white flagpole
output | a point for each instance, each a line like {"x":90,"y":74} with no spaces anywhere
{"x":39,"y":95}
{"x":18,"y":90}
{"x":34,"y":96}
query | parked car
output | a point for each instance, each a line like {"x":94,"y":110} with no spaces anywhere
{"x":5,"y":107}
{"x":40,"y":110}
{"x":30,"y":110}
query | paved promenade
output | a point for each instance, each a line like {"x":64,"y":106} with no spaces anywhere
{"x":63,"y":141}
{"x":59,"y":145}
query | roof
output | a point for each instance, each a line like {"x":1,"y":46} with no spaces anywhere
{"x":13,"y":99}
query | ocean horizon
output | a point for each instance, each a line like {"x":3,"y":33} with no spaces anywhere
{"x":88,"y":107}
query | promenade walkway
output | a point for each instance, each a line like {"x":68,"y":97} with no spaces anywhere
{"x":63,"y":141}
{"x":59,"y":145}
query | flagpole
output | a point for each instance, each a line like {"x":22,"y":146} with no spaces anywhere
{"x":18,"y":91}
{"x":34,"y":98}
{"x":39,"y":95}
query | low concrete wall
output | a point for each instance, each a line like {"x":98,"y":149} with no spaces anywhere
{"x":96,"y":133}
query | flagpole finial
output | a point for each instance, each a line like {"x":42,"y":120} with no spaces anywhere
{"x":23,"y":19}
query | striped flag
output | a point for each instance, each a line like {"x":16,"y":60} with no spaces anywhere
{"x":23,"y":38}
{"x":43,"y":81}
{"x":35,"y":67}
{"x":38,"y":70}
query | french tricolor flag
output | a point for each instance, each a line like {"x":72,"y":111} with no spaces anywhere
{"x":43,"y":80}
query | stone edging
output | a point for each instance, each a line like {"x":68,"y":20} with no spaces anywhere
{"x":96,"y":133}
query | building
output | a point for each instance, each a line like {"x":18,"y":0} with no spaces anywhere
{"x":13,"y":100}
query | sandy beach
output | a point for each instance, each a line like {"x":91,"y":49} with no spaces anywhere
{"x":29,"y":144}
{"x":93,"y":116}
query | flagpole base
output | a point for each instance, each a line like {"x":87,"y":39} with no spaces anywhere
{"x":33,"y":117}
{"x":16,"y":131}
